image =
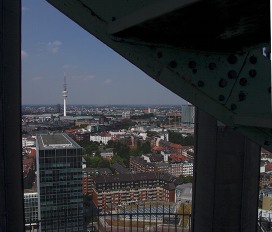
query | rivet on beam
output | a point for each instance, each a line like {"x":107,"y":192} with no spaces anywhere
{"x":232,"y":59}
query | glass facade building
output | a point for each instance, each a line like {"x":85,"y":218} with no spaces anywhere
{"x":31,"y":208}
{"x":188,"y":115}
{"x":59,"y":182}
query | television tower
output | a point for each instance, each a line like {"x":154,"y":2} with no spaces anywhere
{"x":64,"y":94}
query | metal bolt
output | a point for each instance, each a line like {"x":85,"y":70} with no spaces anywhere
{"x":233,"y":107}
{"x":212,"y":66}
{"x":200,"y":83}
{"x":243,"y":81}
{"x":252,"y":73}
{"x":192,"y":64}
{"x":253,"y":59}
{"x":232,"y":74}
{"x":221,"y":97}
{"x":242,"y":96}
{"x":173,"y":64}
{"x":232,"y":59}
{"x":222,"y":83}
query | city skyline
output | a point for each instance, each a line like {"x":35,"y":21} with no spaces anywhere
{"x":53,"y":46}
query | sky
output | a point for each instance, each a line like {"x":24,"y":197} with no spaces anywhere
{"x":53,"y":46}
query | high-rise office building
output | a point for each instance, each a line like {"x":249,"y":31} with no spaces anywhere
{"x":59,"y":178}
{"x":188,"y":115}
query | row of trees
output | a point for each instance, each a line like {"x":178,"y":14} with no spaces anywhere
{"x":178,"y":138}
{"x":122,"y":153}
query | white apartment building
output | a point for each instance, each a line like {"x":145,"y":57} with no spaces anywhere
{"x":105,"y":138}
{"x":184,"y":168}
{"x":28,"y":142}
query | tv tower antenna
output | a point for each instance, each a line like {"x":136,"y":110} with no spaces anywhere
{"x":64,"y":94}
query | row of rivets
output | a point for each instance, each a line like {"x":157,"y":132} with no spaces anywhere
{"x":232,"y":74}
{"x":243,"y":81}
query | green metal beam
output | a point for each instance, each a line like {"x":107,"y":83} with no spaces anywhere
{"x":234,"y":87}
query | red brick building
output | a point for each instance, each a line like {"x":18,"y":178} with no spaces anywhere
{"x":168,"y":147}
{"x":130,"y":188}
{"x":177,"y":165}
{"x":138,"y":164}
{"x":88,"y":175}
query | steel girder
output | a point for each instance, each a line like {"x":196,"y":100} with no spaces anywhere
{"x":222,"y":69}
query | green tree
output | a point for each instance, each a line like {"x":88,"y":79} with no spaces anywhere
{"x":96,"y":162}
{"x":121,"y":150}
{"x":180,"y":139}
{"x":145,"y":148}
{"x":110,"y":144}
{"x":89,"y":147}
{"x":186,"y":179}
{"x":189,"y":140}
{"x":135,"y":152}
{"x":118,"y":159}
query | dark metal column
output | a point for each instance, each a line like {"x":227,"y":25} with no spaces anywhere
{"x":11,"y":184}
{"x":225,"y":194}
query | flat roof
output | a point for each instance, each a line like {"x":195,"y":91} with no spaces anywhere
{"x":55,"y":140}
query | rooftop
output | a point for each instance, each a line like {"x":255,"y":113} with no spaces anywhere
{"x":120,"y":168}
{"x":55,"y":140}
{"x":133,"y":177}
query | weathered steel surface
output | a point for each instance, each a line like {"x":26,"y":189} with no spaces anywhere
{"x":208,"y":52}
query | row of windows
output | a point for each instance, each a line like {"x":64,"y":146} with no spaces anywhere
{"x":60,"y":179}
{"x":60,"y":191}
{"x":59,"y":165}
{"x":60,"y":159}
{"x":60,"y":152}
{"x":70,"y":171}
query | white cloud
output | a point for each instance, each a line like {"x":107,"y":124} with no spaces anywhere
{"x":108,"y":81}
{"x":57,"y":43}
{"x":54,"y":46}
{"x":24,"y":54}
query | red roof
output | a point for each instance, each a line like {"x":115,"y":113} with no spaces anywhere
{"x":72,"y":131}
{"x":176,"y":146}
{"x":176,"y":157}
{"x":31,"y":152}
{"x":156,"y":148}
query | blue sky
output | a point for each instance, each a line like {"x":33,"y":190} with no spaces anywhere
{"x":54,"y":46}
